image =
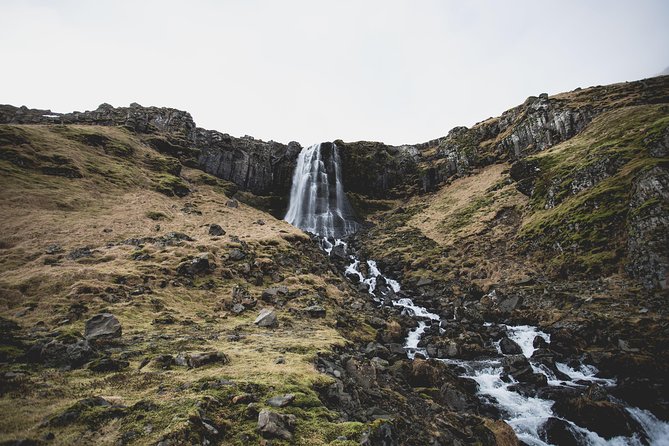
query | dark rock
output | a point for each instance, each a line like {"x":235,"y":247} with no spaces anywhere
{"x":195,"y":360}
{"x":281,"y":401}
{"x":606,"y":418}
{"x":79,"y":253}
{"x":559,"y":432}
{"x":274,"y":425}
{"x":315,"y":311}
{"x":266,"y":318}
{"x":236,"y":254}
{"x":510,"y":347}
{"x":198,"y":266}
{"x":53,"y":249}
{"x":102,"y":326}
{"x":519,"y":367}
{"x":216,"y":230}
{"x":270,"y":294}
{"x":232,"y":203}
{"x":107,"y":365}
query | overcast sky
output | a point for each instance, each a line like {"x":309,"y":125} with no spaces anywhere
{"x":310,"y":71}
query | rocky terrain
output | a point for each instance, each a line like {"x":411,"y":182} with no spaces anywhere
{"x":150,"y":295}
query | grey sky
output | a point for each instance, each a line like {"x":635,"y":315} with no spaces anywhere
{"x":392,"y":71}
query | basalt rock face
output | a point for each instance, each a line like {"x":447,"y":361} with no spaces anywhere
{"x":648,"y":256}
{"x":262,"y":168}
{"x":534,"y":126}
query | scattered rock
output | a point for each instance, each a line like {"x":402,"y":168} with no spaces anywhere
{"x":216,"y":230}
{"x":270,"y":294}
{"x":195,"y":360}
{"x":281,"y":401}
{"x":53,"y":249}
{"x":102,"y":326}
{"x":266,"y":318}
{"x":108,"y":365}
{"x":315,"y":311}
{"x":274,"y":425}
{"x":232,"y":203}
{"x":236,"y":254}
{"x":509,"y":347}
{"x":197,"y":266}
{"x":79,"y":253}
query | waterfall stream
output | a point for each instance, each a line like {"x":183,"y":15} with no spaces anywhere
{"x":317,"y":200}
{"x":318,"y":205}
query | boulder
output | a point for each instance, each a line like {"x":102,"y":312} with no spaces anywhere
{"x":606,"y":418}
{"x":107,"y":365}
{"x":281,"y":401}
{"x":193,"y":267}
{"x":509,"y":347}
{"x":315,"y":311}
{"x":519,"y":367}
{"x":216,"y":230}
{"x":557,"y":431}
{"x":102,"y":326}
{"x":236,"y":254}
{"x":195,"y":360}
{"x":275,"y":425}
{"x":270,"y":294}
{"x":266,"y":318}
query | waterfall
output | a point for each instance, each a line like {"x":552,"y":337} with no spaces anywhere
{"x":317,"y":200}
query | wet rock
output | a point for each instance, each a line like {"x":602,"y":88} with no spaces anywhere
{"x":519,"y":367}
{"x":606,"y":418}
{"x":557,"y":431}
{"x":274,"y":425}
{"x":266,"y":318}
{"x":281,"y":401}
{"x":510,"y":347}
{"x":102,"y":326}
{"x":216,"y":230}
{"x":315,"y":311}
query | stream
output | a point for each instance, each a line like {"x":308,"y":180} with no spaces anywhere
{"x":525,"y":414}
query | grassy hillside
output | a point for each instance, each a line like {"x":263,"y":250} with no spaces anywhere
{"x":89,"y":217}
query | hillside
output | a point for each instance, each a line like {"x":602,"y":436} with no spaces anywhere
{"x":138,"y":251}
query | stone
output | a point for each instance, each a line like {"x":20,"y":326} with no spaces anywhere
{"x":53,"y":249}
{"x":266,"y":318}
{"x":102,"y":326}
{"x":557,"y":431}
{"x":108,"y":365}
{"x":281,"y":401}
{"x":606,"y":418}
{"x":195,"y":360}
{"x":236,"y":254}
{"x":216,"y":230}
{"x":79,"y":253}
{"x":198,"y":266}
{"x":315,"y":311}
{"x":509,"y":347}
{"x":275,"y":425}
{"x":232,"y":203}
{"x":270,"y":294}
{"x":238,"y":308}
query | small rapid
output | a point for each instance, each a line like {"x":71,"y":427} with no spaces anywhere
{"x":527,"y":415}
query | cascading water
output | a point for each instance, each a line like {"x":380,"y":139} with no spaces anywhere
{"x":318,"y":205}
{"x":317,"y":200}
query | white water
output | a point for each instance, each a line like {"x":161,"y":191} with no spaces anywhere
{"x":524,"y":414}
{"x":317,"y":200}
{"x":317,"y":207}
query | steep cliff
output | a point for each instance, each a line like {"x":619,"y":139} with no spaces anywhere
{"x":262,"y":168}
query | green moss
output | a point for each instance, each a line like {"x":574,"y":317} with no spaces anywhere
{"x":170,"y":185}
{"x":163,"y":164}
